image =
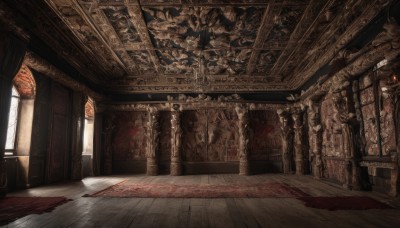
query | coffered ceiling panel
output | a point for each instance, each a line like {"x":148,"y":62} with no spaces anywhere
{"x":232,"y":46}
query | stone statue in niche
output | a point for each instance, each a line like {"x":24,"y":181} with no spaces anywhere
{"x":287,"y":140}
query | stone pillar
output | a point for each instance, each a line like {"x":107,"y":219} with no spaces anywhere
{"x":12,"y":51}
{"x":315,"y":139}
{"x":243,"y":116}
{"x":176,"y":133}
{"x":287,"y":140}
{"x":298,"y":140}
{"x":78,"y":118}
{"x":152,"y":141}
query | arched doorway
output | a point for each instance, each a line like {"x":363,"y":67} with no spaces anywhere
{"x":87,"y":153}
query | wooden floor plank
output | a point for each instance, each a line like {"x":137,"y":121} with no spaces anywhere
{"x":202,"y":212}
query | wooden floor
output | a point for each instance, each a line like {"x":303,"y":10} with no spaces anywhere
{"x":227,"y":212}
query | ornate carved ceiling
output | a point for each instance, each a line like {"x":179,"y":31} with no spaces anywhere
{"x":138,"y":46}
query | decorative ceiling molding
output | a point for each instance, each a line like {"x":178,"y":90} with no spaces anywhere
{"x":38,"y":64}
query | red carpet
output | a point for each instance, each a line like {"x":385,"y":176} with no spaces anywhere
{"x":263,"y":190}
{"x":13,"y":208}
{"x":343,"y":203}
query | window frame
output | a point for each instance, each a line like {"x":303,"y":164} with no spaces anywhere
{"x":11,"y":152}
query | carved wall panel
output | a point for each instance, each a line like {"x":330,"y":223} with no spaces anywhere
{"x":210,"y":135}
{"x":164,"y":153}
{"x":370,"y":129}
{"x":335,"y":169}
{"x":265,"y":135}
{"x":129,"y":137}
{"x":332,"y":136}
{"x":194,"y":135}
{"x":222,"y":135}
{"x":387,"y":125}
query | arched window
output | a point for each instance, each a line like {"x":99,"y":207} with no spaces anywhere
{"x":12,"y":122}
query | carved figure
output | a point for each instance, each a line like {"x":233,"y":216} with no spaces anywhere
{"x":287,"y":141}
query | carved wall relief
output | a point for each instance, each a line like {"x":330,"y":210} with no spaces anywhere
{"x":194,"y":135}
{"x":335,"y":170}
{"x":210,"y":135}
{"x":332,"y":135}
{"x":369,"y":101}
{"x":129,"y":138}
{"x":164,"y":147}
{"x":387,"y":124}
{"x":222,"y":135}
{"x":265,"y":142}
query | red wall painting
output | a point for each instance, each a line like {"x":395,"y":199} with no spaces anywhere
{"x":164,"y":147}
{"x":265,"y":136}
{"x":129,"y":136}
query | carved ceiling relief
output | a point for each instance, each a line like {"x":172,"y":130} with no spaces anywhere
{"x":87,"y":36}
{"x":285,"y":23}
{"x":187,"y":31}
{"x":122,"y":24}
{"x":267,"y":44}
{"x":142,"y":60}
{"x":266,"y":61}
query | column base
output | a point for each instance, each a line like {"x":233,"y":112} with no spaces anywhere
{"x":152,"y":167}
{"x":176,"y":169}
{"x":244,"y":168}
{"x":299,"y":167}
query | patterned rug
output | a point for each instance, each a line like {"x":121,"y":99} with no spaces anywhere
{"x":13,"y":208}
{"x":263,"y":190}
{"x":343,"y":203}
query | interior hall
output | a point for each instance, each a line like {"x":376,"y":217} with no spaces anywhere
{"x":199,"y":113}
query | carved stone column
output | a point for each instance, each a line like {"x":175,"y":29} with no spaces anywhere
{"x":287,"y":140}
{"x":176,"y":133}
{"x":78,"y":118}
{"x":315,"y":138}
{"x":346,"y":116}
{"x":243,"y":116}
{"x":152,"y":141}
{"x":298,"y":140}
